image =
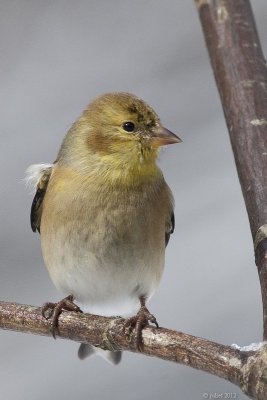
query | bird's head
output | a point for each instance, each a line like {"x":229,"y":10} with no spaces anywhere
{"x":118,"y":129}
{"x":121,"y":122}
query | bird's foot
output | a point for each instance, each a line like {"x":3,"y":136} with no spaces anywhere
{"x":52,"y":311}
{"x":138,"y":322}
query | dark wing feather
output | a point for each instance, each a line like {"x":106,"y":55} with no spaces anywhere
{"x":169,"y":229}
{"x":37,"y":204}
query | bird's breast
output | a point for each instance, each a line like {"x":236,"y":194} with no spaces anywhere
{"x":103,"y":244}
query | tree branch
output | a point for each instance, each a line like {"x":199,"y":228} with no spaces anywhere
{"x":237,"y":366}
{"x":240,"y":71}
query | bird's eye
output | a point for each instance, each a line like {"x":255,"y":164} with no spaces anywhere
{"x":128,"y":126}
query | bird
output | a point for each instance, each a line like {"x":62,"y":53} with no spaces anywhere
{"x":105,"y":213}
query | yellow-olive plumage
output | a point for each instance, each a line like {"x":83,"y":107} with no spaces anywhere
{"x":104,"y":210}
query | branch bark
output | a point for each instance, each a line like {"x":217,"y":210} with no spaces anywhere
{"x":240,"y":72}
{"x":237,"y":366}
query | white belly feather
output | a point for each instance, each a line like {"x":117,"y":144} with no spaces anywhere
{"x":106,"y":263}
{"x":103,"y":286}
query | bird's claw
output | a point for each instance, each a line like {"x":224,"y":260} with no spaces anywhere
{"x":52,"y":311}
{"x":138,"y":322}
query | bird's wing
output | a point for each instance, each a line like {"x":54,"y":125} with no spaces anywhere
{"x":169,"y":228}
{"x":38,"y":174}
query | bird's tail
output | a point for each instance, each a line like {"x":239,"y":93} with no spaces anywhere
{"x":86,"y":350}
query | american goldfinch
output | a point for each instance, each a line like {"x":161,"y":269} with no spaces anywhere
{"x":105,"y":213}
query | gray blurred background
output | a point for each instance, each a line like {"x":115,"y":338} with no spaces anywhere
{"x":55,"y":57}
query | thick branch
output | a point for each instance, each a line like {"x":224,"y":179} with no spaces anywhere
{"x":237,"y":366}
{"x":241,"y":76}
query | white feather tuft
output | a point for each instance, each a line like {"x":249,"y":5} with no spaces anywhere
{"x":34,"y":173}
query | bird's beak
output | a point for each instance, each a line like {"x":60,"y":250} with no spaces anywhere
{"x":162,"y":136}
